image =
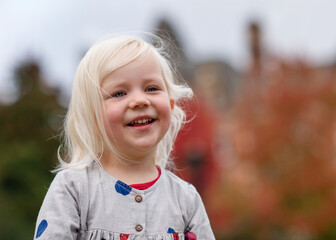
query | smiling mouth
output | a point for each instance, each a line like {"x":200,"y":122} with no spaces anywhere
{"x":141,"y":122}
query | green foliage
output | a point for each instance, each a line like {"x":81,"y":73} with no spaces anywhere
{"x":28,"y":153}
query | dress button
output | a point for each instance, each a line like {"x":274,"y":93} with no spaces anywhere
{"x":138,"y":228}
{"x":138,"y":198}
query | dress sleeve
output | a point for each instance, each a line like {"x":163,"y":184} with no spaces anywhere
{"x":59,"y":216}
{"x":199,"y":225}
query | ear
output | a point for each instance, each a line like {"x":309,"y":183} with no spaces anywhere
{"x":172,"y":104}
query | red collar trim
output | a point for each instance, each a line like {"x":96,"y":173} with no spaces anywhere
{"x":143,"y":186}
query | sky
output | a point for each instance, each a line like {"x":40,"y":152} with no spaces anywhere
{"x":58,"y":32}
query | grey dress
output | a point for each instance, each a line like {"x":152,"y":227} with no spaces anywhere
{"x":91,"y":204}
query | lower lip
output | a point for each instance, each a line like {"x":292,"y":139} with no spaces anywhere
{"x":142,"y":127}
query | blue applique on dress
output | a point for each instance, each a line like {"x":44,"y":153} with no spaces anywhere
{"x":41,"y":228}
{"x":122,"y":188}
{"x":175,"y":234}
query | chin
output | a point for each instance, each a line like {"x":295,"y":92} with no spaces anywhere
{"x":143,"y":147}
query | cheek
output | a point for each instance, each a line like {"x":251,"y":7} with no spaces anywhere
{"x":166,"y":113}
{"x":113,"y":112}
{"x":111,"y":118}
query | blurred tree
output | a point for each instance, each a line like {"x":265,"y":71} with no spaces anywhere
{"x":29,"y":152}
{"x":281,"y":183}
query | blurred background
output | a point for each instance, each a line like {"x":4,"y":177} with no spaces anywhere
{"x":261,"y":147}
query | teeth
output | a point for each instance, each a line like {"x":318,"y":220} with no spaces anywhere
{"x":140,"y":121}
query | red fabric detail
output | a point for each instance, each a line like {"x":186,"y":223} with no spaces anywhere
{"x":190,"y":236}
{"x":124,"y":236}
{"x":143,"y":186}
{"x":175,"y":235}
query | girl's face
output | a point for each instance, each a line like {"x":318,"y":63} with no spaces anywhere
{"x":137,"y":108}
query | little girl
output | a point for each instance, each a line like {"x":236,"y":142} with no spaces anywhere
{"x":119,"y":131}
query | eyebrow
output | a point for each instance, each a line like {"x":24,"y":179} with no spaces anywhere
{"x":107,"y":83}
{"x":153,"y":76}
{"x":118,"y":82}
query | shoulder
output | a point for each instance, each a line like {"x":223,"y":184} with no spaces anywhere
{"x":184,"y":192}
{"x":71,"y":178}
{"x":71,"y":175}
{"x":179,"y":184}
{"x":69,"y":184}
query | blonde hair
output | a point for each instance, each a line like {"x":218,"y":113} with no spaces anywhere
{"x":84,"y":134}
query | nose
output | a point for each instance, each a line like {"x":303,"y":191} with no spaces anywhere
{"x":139,"y":100}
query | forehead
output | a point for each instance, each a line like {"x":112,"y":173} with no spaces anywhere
{"x":143,"y":67}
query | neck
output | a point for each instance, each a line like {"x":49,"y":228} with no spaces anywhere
{"x":130,"y":170}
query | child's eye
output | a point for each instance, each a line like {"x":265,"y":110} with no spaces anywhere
{"x":152,"y":89}
{"x":118,"y":94}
